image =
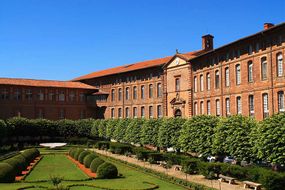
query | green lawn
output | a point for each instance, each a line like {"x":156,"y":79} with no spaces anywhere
{"x":58,"y":164}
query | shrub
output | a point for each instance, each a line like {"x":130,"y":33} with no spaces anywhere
{"x":30,"y":154}
{"x":174,"y":158}
{"x":272,"y":180}
{"x":141,"y":153}
{"x":88,"y":159}
{"x":72,"y":152}
{"x":95,"y":164}
{"x":236,"y":171}
{"x":107,"y":171}
{"x":190,"y":166}
{"x":119,"y":148}
{"x":154,"y":157}
{"x":209,"y":170}
{"x":7,"y":173}
{"x":103,"y":145}
{"x":77,"y":153}
{"x":18,"y":163}
{"x":82,"y":155}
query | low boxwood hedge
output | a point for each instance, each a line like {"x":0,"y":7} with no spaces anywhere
{"x":82,"y":155}
{"x":77,"y":153}
{"x":88,"y":159}
{"x":95,"y":164}
{"x":30,"y":154}
{"x":102,"y":145}
{"x":107,"y":171}
{"x":17,"y":163}
{"x":120,"y":148}
{"x":7,"y":173}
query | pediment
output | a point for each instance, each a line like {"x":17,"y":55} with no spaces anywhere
{"x":177,"y":60}
{"x":177,"y":100}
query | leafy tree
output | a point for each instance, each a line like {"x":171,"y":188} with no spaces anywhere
{"x":120,"y":129}
{"x":95,"y":128}
{"x":232,"y":137}
{"x":149,"y":133}
{"x":83,"y":127}
{"x":133,"y":131}
{"x":110,"y":128}
{"x":67,"y":128}
{"x":102,"y":127}
{"x":169,"y":132}
{"x":197,"y":134}
{"x":270,"y":143}
{"x":3,"y":129}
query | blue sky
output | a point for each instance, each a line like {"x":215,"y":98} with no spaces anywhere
{"x":63,"y":39}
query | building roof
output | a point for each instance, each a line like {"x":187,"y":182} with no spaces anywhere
{"x":100,"y":93}
{"x":134,"y":66}
{"x":44,"y":83}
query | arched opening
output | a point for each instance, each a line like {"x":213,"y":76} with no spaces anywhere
{"x":178,"y":113}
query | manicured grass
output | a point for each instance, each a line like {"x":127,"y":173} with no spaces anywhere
{"x":58,"y":164}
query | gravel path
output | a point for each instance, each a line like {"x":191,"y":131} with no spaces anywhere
{"x":192,"y":178}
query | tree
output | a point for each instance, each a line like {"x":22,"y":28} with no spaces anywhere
{"x":150,"y":130}
{"x":197,"y":134}
{"x":120,"y":129}
{"x":232,"y":137}
{"x":84,"y":127}
{"x":270,"y":143}
{"x":95,"y":128}
{"x":169,"y":132}
{"x":133,"y":131}
{"x":110,"y":127}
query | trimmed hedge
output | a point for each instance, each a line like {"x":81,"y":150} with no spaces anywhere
{"x":82,"y":155}
{"x":30,"y":154}
{"x":88,"y":159}
{"x":95,"y":164}
{"x":18,"y":163}
{"x":103,"y":145}
{"x":107,"y":171}
{"x":7,"y":173}
{"x":120,"y":148}
{"x":77,"y":153}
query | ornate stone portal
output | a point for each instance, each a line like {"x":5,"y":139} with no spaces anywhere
{"x":178,"y":106}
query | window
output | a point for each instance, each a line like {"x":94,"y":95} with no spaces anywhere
{"x":82,"y":97}
{"x":120,"y":113}
{"x":120,"y":94}
{"x":61,"y":114}
{"x":239,"y":108}
{"x":142,"y":92}
{"x":202,"y":108}
{"x":159,"y":90}
{"x":218,"y":108}
{"x":142,"y":112}
{"x":265,"y":105}
{"x":113,"y":95}
{"x":238,"y":77}
{"x":195,"y":108}
{"x":135,"y":112}
{"x":40,"y":95}
{"x":112,"y":113}
{"x":227,"y":77}
{"x":250,"y":49}
{"x":250,"y":71}
{"x":61,"y":96}
{"x":177,"y":84}
{"x":257,"y":47}
{"x":150,"y":91}
{"x":279,"y":65}
{"x":71,"y":96}
{"x":263,"y":68}
{"x":281,"y":101}
{"x":127,"y":93}
{"x":228,"y":111}
{"x":251,"y":105}
{"x":127,"y":112}
{"x":217,"y":79}
{"x":201,"y":83}
{"x":208,"y":81}
{"x":159,"y":111}
{"x":135,"y":93}
{"x":150,"y":111}
{"x":17,"y":94}
{"x":195,"y":84}
{"x":208,"y":107}
{"x":29,"y":94}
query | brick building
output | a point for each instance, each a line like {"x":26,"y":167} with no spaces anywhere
{"x":243,"y":77}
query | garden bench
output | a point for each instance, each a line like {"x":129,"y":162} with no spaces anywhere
{"x":231,"y":180}
{"x":257,"y":186}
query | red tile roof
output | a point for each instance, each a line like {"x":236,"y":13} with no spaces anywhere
{"x":135,"y":66}
{"x":44,"y":83}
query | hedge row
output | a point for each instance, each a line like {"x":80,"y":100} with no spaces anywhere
{"x":14,"y":166}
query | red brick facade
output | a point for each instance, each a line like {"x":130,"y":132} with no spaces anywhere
{"x":244,"y":77}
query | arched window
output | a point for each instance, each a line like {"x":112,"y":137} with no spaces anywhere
{"x":135,"y":112}
{"x":195,"y":108}
{"x":208,"y":107}
{"x":120,"y":113}
{"x":113,"y":95}
{"x":250,"y":71}
{"x":201,"y":107}
{"x":120,"y":94}
{"x":159,"y":111}
{"x":201,"y":83}
{"x":150,"y":91}
{"x":251,"y":105}
{"x":150,"y":111}
{"x":112,"y":113}
{"x":227,"y":77}
{"x":239,"y":104}
{"x":208,"y":81}
{"x":281,"y":101}
{"x":238,"y":76}
{"x":217,"y":79}
{"x":195,"y":84}
{"x":279,"y":64}
{"x":263,"y":68}
{"x":142,"y":92}
{"x":127,"y":112}
{"x":135,"y":93}
{"x":218,"y":108}
{"x":228,"y":112}
{"x":127,"y":93}
{"x":159,"y":90}
{"x":142,"y":112}
{"x":265,"y":105}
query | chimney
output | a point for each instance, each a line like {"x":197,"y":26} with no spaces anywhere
{"x":267,"y":25}
{"x":207,"y":42}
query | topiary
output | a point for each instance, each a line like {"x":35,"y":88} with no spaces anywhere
{"x":95,"y":164}
{"x":77,"y":153}
{"x":7,"y":173}
{"x":82,"y":155}
{"x":88,"y":159}
{"x":71,"y":151}
{"x":18,"y":163}
{"x":107,"y":171}
{"x":30,"y":154}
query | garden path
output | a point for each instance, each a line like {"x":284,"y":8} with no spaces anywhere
{"x":191,"y":178}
